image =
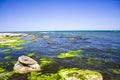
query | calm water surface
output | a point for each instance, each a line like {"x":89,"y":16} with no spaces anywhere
{"x":101,"y":48}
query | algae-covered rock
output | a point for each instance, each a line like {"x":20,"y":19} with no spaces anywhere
{"x":76,"y":74}
{"x":26,"y":64}
{"x":40,"y":76}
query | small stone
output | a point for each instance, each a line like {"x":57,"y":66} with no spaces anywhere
{"x":45,"y":37}
{"x":49,"y":42}
{"x":71,"y":39}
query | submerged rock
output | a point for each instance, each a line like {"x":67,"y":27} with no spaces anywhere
{"x":72,"y":39}
{"x":26,"y":64}
{"x":45,"y":37}
{"x":76,"y":74}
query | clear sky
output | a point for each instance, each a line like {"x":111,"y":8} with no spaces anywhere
{"x":29,"y":15}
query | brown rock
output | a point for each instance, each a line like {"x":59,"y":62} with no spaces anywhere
{"x":45,"y":37}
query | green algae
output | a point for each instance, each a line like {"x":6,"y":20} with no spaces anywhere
{"x":40,"y":76}
{"x":114,"y":71}
{"x":13,"y":62}
{"x":79,"y":74}
{"x":31,"y":54}
{"x":44,"y":62}
{"x":94,"y":63}
{"x":17,"y":48}
{"x":7,"y":75}
{"x":2,"y":70}
{"x":7,"y":57}
{"x":61,"y":74}
{"x":6,"y":51}
{"x":10,"y":41}
{"x":71,"y":54}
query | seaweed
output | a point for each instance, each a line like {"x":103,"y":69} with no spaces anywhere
{"x":71,"y":54}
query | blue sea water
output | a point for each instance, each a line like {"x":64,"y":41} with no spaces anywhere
{"x":103,"y":46}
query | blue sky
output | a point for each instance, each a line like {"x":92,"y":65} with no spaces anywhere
{"x":40,"y":15}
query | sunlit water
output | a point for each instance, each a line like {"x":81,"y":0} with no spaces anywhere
{"x":102,"y":48}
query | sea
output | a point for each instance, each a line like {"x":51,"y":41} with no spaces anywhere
{"x":101,"y":49}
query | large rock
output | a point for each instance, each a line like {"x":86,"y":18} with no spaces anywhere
{"x":26,"y":64}
{"x":80,"y":74}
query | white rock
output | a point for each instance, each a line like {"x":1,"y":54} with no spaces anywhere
{"x":26,"y":64}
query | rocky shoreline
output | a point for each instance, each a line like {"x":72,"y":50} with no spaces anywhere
{"x":12,"y":35}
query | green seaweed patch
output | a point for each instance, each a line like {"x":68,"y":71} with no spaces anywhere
{"x":2,"y":46}
{"x":71,"y":54}
{"x":3,"y":76}
{"x":18,"y":48}
{"x":17,"y":42}
{"x":31,"y":54}
{"x":76,"y":74}
{"x":13,"y":62}
{"x":49,"y":65}
{"x":115,"y":71}
{"x":7,"y":57}
{"x":6,"y":75}
{"x":6,"y":51}
{"x":94,"y":63}
{"x":44,"y":62}
{"x":10,"y":41}
{"x":40,"y":76}
{"x":2,"y":70}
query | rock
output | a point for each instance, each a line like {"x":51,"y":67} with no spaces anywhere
{"x":76,"y":74}
{"x":34,"y":37}
{"x":71,"y":39}
{"x":26,"y":64}
{"x":49,"y":42}
{"x":13,"y":35}
{"x":45,"y":37}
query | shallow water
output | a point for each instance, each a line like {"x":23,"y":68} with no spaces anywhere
{"x":101,"y":49}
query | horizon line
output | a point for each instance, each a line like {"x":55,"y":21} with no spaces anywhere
{"x":55,"y":30}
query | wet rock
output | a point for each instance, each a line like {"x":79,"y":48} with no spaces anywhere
{"x":49,"y":42}
{"x":45,"y":37}
{"x":13,"y":35}
{"x":34,"y":37}
{"x":76,"y":74}
{"x":72,"y":39}
{"x":26,"y":64}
